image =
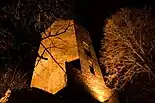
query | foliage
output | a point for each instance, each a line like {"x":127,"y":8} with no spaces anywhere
{"x":128,"y":47}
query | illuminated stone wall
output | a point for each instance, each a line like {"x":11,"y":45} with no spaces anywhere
{"x":48,"y":74}
{"x":70,"y":43}
{"x":93,"y":82}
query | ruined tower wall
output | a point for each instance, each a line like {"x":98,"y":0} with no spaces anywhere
{"x":84,"y":42}
{"x":61,"y":45}
{"x":67,"y":42}
{"x":90,"y":75}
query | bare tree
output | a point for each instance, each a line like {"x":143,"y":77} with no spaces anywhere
{"x":11,"y":79}
{"x":28,"y":19}
{"x":128,"y":47}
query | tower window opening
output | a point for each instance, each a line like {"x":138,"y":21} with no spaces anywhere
{"x":92,"y":69}
{"x":91,"y":66}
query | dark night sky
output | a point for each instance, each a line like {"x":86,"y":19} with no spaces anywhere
{"x":92,"y":13}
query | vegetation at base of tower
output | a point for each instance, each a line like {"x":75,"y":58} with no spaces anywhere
{"x":11,"y":79}
{"x":21,"y":24}
{"x":128,"y":51}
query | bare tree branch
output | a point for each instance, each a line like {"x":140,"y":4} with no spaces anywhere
{"x":127,"y":48}
{"x":52,"y":57}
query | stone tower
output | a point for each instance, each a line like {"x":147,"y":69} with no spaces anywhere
{"x":66,"y":42}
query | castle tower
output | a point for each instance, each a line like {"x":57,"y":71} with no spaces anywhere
{"x":64,"y":43}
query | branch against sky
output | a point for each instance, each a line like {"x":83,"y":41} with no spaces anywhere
{"x":36,"y":14}
{"x":27,"y":20}
{"x":127,"y":48}
{"x":6,"y":40}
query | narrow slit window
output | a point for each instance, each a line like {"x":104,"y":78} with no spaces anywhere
{"x":91,"y":66}
{"x":92,"y":69}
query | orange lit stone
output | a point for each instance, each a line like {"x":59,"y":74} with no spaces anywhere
{"x":49,"y":75}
